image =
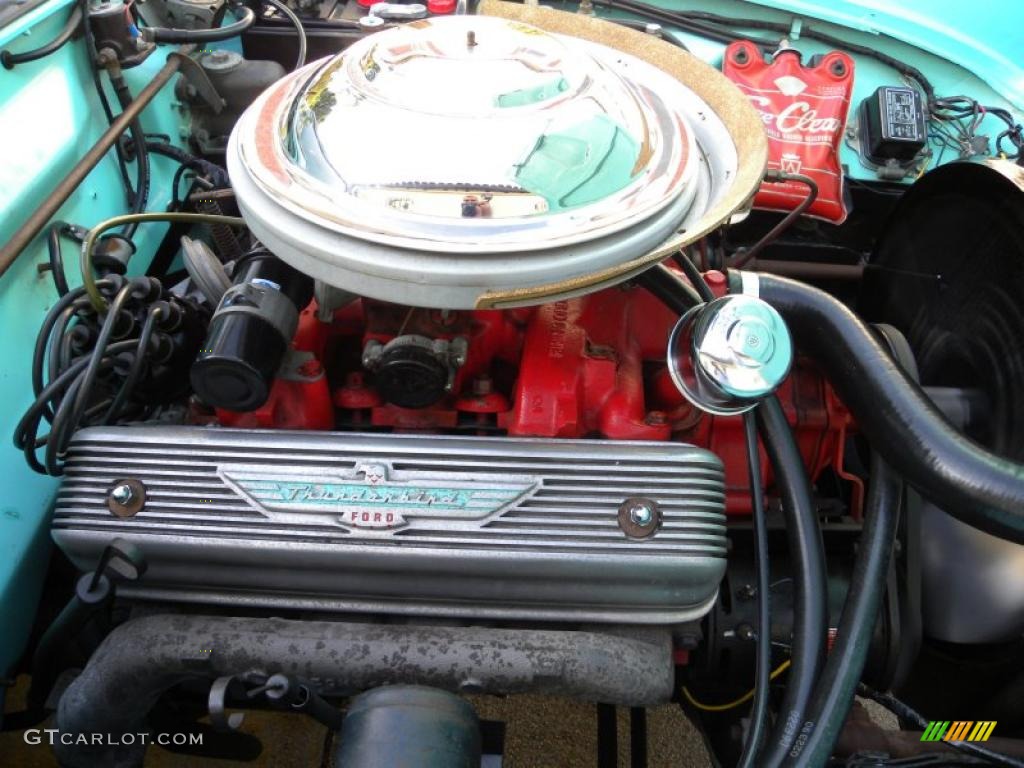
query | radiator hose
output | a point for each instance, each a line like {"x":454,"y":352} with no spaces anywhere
{"x":900,"y":421}
{"x":834,"y":693}
{"x":810,"y":598}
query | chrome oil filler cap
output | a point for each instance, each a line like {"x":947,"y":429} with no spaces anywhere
{"x":727,"y":354}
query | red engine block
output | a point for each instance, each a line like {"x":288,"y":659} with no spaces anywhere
{"x":587,"y":367}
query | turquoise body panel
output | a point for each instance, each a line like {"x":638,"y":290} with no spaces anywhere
{"x":50,"y":115}
{"x":987,"y":37}
{"x":949,"y":79}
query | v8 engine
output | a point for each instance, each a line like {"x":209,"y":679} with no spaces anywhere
{"x":522,"y":351}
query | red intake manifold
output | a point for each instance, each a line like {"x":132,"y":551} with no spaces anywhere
{"x":587,"y":367}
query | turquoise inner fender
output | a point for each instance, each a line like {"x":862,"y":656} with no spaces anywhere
{"x":49,"y":117}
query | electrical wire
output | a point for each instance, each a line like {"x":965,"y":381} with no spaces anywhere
{"x":76,"y":404}
{"x":156,"y":313}
{"x":9,"y":60}
{"x":956,"y":120}
{"x":60,"y":280}
{"x":97,"y":300}
{"x":95,"y":362}
{"x":25,"y":434}
{"x":907,"y":713}
{"x":90,"y":47}
{"x":735,"y":702}
{"x":664,"y":16}
{"x":300,"y":30}
{"x":49,"y":321}
{"x":742,"y":257}
{"x":725,"y":25}
{"x":217,"y":174}
{"x":125,"y":98}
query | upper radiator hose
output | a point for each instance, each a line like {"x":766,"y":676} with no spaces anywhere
{"x":969,"y":482}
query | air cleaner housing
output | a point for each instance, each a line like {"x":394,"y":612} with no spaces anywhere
{"x":445,"y":160}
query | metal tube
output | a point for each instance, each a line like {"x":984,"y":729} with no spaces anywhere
{"x":809,"y":270}
{"x":34,"y":224}
{"x":144,"y":657}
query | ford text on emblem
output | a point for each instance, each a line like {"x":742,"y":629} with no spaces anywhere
{"x":374,"y":498}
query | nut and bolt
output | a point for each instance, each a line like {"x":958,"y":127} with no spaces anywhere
{"x":641,"y":514}
{"x":122,"y":494}
{"x":482,"y":385}
{"x":746,"y":632}
{"x":639,"y":517}
{"x":126,"y":498}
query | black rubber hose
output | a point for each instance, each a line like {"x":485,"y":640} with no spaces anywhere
{"x":669,"y":288}
{"x":700,"y":285}
{"x":9,"y":60}
{"x":300,"y":30}
{"x":763,"y":663}
{"x":810,"y":597}
{"x":835,"y":690}
{"x":975,"y":486}
{"x":168,"y":35}
{"x":810,"y":624}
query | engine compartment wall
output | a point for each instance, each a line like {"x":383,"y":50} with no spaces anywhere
{"x":49,"y":115}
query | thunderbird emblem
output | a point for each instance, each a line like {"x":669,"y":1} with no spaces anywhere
{"x":373,"y":498}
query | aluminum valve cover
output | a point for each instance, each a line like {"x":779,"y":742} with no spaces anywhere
{"x":475,"y":527}
{"x":438,"y":160}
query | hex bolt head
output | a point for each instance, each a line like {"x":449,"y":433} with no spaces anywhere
{"x":126,"y":497}
{"x":639,"y":517}
{"x":122,"y":494}
{"x":641,"y":514}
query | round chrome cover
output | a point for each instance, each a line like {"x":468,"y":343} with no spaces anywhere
{"x":471,"y":134}
{"x":726,"y":355}
{"x":435,"y":161}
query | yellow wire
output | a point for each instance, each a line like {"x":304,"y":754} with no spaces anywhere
{"x":732,"y":704}
{"x":89,"y":282}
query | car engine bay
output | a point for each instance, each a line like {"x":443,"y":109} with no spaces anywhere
{"x":517,"y":349}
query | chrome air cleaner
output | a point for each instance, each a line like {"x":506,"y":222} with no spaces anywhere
{"x":454,"y":159}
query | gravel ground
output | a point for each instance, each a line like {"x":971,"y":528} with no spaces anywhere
{"x":540,"y":731}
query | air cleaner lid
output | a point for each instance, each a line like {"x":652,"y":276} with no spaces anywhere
{"x":478,"y":161}
{"x":472,"y":134}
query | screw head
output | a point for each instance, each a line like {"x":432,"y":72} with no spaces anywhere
{"x":639,"y":517}
{"x":641,"y":513}
{"x":126,"y":497}
{"x":122,"y":494}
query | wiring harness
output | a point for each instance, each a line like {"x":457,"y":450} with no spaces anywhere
{"x":103,"y":368}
